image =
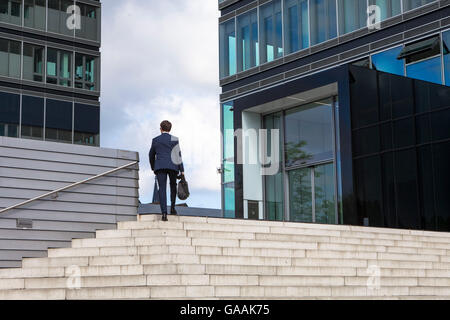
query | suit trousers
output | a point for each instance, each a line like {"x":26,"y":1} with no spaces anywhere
{"x":161,"y":175}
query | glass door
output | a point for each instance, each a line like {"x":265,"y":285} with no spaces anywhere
{"x":312,"y":194}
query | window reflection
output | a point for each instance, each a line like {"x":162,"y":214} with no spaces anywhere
{"x":388,"y":8}
{"x":309,"y":134}
{"x":428,"y":70}
{"x":446,"y":53}
{"x":352,"y":15}
{"x":247,"y":41}
{"x":412,"y":4}
{"x":296,"y":25}
{"x":323,"y":20}
{"x":387,"y":61}
{"x":227,"y":48}
{"x":35,"y":14}
{"x":271,"y":31}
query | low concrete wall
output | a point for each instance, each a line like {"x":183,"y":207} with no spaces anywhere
{"x":31,"y":168}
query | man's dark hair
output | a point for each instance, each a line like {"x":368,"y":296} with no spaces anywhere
{"x":166,"y":126}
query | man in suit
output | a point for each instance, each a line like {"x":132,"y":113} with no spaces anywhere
{"x":165,"y":160}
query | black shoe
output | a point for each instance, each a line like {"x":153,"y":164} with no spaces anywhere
{"x":164,"y":217}
{"x":173,"y":211}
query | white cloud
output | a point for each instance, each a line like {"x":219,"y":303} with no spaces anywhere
{"x":160,"y":61}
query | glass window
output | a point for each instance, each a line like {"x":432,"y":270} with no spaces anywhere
{"x":441,"y":159}
{"x":412,"y":4}
{"x":32,"y":117}
{"x":33,"y":62}
{"x":11,"y":11}
{"x":90,"y":22}
{"x":324,"y":194}
{"x":428,"y":70}
{"x":388,"y":8}
{"x":296,"y":25}
{"x":227,"y":48}
{"x":387,"y":61}
{"x":58,"y":121}
{"x":309,"y":133}
{"x":9,"y":114}
{"x":271,"y":25}
{"x":300,"y":195}
{"x":247,"y":41}
{"x":58,"y":16}
{"x":352,"y":15}
{"x":228,"y":159}
{"x":85,"y":72}
{"x":274,"y":190}
{"x":86,"y":124}
{"x":10,"y":52}
{"x":59,"y":67}
{"x":446,"y":53}
{"x":35,"y":14}
{"x":323,"y":20}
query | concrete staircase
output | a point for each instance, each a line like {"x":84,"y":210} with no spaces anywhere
{"x":211,"y":258}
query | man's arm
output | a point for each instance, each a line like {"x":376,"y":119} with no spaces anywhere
{"x":152,"y":155}
{"x":180,"y":166}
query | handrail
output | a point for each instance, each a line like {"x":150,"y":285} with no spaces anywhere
{"x":67,"y":187}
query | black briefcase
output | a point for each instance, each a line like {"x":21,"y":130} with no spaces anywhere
{"x":183,"y":189}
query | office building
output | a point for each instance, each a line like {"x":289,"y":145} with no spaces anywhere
{"x":50,"y":70}
{"x":358,"y":94}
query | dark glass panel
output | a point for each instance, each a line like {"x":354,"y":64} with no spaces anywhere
{"x":386,"y":136}
{"x":404,"y":133}
{"x":385,"y":96}
{"x":441,"y":157}
{"x":32,"y":111}
{"x":402,"y":96}
{"x":366,"y":141}
{"x":390,"y":216}
{"x":10,"y":108}
{"x":369,"y":193}
{"x":426,"y":187}
{"x":423,"y":129}
{"x":59,"y":114}
{"x":406,"y":189}
{"x":364,"y":98}
{"x":440,"y":125}
{"x":86,"y":124}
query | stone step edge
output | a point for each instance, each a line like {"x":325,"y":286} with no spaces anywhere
{"x":300,"y":225}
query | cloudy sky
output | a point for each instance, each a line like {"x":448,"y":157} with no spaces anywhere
{"x":160,"y":61}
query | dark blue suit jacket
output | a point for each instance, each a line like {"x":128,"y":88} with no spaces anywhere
{"x":165,"y":153}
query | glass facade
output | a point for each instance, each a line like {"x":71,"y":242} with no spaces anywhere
{"x":30,"y":65}
{"x":22,"y":116}
{"x":309,"y":134}
{"x":35,"y":14}
{"x":9,"y":114}
{"x":296,"y":25}
{"x":10,"y":53}
{"x":388,"y":8}
{"x":32,"y":117}
{"x":446,"y":56}
{"x":271,"y":23}
{"x":227,"y":50}
{"x":287,"y":26}
{"x":426,"y":59}
{"x":228,"y":160}
{"x":322,"y":20}
{"x":400,"y":144}
{"x":352,"y":15}
{"x":33,"y":62}
{"x":55,"y":17}
{"x":247,"y":41}
{"x":274,"y":185}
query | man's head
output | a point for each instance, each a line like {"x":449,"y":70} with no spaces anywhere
{"x":165,"y":126}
